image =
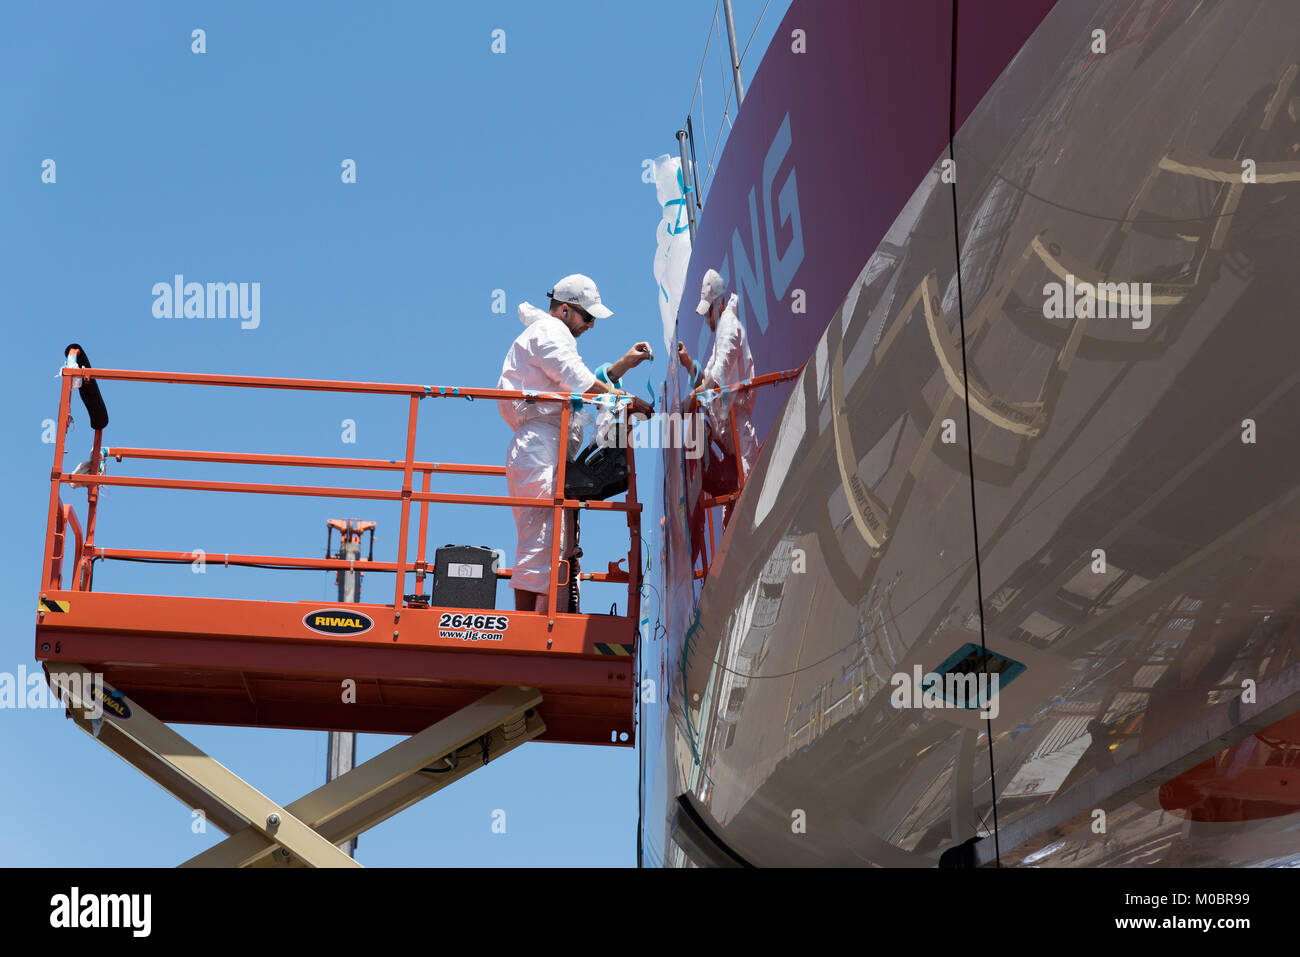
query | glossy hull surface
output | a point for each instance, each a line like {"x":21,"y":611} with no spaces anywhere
{"x":1134,"y":498}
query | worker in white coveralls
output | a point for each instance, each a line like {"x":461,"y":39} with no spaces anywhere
{"x":729,"y":364}
{"x":544,"y":358}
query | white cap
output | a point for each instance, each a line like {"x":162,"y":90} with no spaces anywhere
{"x":581,"y":291}
{"x":712,"y":289}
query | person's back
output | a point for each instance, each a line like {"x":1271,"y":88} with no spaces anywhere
{"x":543,"y":358}
{"x":730,"y":361}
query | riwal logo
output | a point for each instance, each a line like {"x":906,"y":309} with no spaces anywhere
{"x":751,"y":277}
{"x":338,"y":621}
{"x":114,"y":702}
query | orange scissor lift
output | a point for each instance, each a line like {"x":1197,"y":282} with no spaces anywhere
{"x":414,"y":670}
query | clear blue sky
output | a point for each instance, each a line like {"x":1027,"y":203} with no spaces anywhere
{"x":475,"y":172}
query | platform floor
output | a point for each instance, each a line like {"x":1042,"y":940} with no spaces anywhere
{"x":263,"y":664}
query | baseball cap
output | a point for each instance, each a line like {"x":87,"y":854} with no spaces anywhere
{"x":712,"y":289}
{"x":581,"y":291}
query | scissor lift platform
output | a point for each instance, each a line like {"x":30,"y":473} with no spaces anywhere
{"x":467,"y":684}
{"x":257,"y":664}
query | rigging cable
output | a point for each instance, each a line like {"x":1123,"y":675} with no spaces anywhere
{"x":970,"y":439}
{"x":726,"y":105}
{"x":752,"y":32}
{"x":703,"y":57}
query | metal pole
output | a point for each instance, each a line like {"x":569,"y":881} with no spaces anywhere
{"x":341,"y":751}
{"x":695,"y":166}
{"x":686,"y":178}
{"x":735,"y":57}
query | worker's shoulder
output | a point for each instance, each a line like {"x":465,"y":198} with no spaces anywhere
{"x":730,"y":322}
{"x":546,"y":329}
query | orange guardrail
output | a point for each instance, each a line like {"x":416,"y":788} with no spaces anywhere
{"x":87,"y":550}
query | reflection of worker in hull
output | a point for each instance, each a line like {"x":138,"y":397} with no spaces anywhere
{"x":544,"y":358}
{"x":730,"y":363}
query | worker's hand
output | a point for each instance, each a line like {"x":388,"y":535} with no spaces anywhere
{"x":683,"y":355}
{"x":637,"y":354}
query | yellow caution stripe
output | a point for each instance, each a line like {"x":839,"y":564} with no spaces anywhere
{"x":603,"y":648}
{"x":50,"y":604}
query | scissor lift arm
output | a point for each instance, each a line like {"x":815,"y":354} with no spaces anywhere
{"x":305,"y":832}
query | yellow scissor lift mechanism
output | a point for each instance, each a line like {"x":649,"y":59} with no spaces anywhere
{"x":306,"y":832}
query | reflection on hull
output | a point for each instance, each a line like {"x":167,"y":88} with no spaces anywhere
{"x":1134,"y":487}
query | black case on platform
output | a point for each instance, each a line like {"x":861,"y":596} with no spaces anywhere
{"x":597,"y":473}
{"x":464,"y":576}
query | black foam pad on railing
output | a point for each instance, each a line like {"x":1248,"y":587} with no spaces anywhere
{"x":90,"y":394}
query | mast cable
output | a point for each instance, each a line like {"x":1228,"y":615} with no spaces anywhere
{"x":970,"y":438}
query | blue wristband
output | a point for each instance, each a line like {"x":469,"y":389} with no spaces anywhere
{"x":602,"y":373}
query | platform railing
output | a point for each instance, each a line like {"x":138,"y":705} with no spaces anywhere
{"x":86,"y":550}
{"x":725,"y":500}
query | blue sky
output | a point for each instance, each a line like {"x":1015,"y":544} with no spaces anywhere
{"x":475,"y":172}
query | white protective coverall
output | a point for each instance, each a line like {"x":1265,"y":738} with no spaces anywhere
{"x":544,"y":357}
{"x":729,"y":363}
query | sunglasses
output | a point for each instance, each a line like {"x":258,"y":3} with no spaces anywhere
{"x":587,"y":317}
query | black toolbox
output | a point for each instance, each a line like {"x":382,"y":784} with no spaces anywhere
{"x":597,"y":473}
{"x":465,"y":576}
